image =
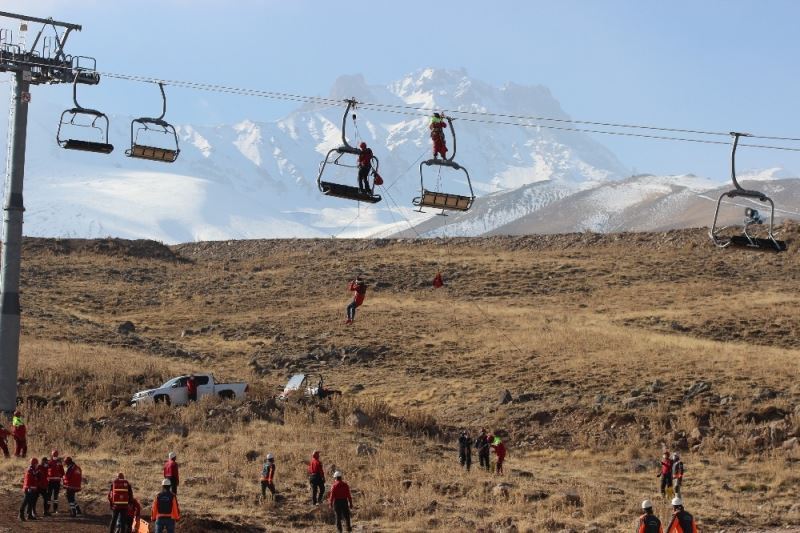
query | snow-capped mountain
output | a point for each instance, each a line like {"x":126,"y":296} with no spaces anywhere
{"x":258,"y":179}
{"x":254,"y":179}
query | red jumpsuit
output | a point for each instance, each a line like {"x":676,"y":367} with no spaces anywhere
{"x":171,"y":473}
{"x":500,"y":451}
{"x":359,"y":292}
{"x":20,"y":434}
{"x":437,"y":136}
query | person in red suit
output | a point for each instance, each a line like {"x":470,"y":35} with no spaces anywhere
{"x":341,"y":501}
{"x":437,"y":127}
{"x":364,"y":167}
{"x":20,"y":433}
{"x":191,"y":388}
{"x":359,"y":289}
{"x":499,"y":450}
{"x":30,"y":490}
{"x":55,"y":471}
{"x":72,"y":485}
{"x":171,"y":472}
{"x":316,"y":478}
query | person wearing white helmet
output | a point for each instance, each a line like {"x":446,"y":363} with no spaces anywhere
{"x":649,"y":522}
{"x":165,"y":511}
{"x":340,"y":501}
{"x":171,"y":471}
{"x":677,"y":473}
{"x":682,"y":522}
{"x":267,"y":477}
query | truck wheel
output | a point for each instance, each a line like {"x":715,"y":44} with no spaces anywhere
{"x":227,"y":395}
{"x":163,"y":398}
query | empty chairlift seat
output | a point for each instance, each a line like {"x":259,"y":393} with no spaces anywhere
{"x":441,"y":200}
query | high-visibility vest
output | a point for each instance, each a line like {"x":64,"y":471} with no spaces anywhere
{"x":165,"y":505}
{"x":119,"y":493}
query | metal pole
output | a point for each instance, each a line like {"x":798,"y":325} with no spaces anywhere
{"x":12,"y":246}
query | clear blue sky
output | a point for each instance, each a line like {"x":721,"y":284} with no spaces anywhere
{"x":710,"y":64}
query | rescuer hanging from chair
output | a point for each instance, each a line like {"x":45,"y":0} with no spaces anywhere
{"x":437,"y":126}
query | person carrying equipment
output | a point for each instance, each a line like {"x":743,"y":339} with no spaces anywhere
{"x":191,"y":388}
{"x":677,"y":473}
{"x":364,"y":167}
{"x":119,"y":497}
{"x":20,"y":433}
{"x":30,"y":491}
{"x":268,"y":477}
{"x":171,"y":472}
{"x":341,"y":501}
{"x":648,"y":522}
{"x":165,"y":511}
{"x":482,"y":447}
{"x":500,"y":451}
{"x":55,"y":471}
{"x":359,"y":289}
{"x":72,"y":485}
{"x":682,"y":522}
{"x":134,"y":515}
{"x":437,"y":127}
{"x":4,"y":434}
{"x":316,"y":478}
{"x":465,"y":450}
{"x":666,"y":473}
{"x":42,"y":485}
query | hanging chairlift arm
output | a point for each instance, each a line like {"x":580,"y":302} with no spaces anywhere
{"x":351,"y":104}
{"x":453,"y":133}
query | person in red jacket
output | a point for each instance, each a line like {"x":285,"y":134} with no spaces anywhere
{"x":171,"y":472}
{"x":4,"y":434}
{"x":72,"y":485}
{"x":134,"y":515}
{"x":665,"y":473}
{"x":340,"y":501}
{"x":30,"y":490}
{"x":55,"y":471}
{"x":499,"y":450}
{"x":191,"y":388}
{"x":359,"y":289}
{"x":364,"y":167}
{"x":437,"y":127}
{"x":20,"y":433}
{"x":316,"y":478}
{"x":119,"y":498}
{"x":438,"y":282}
{"x":42,"y":484}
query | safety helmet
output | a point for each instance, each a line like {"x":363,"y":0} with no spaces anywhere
{"x":54,"y":453}
{"x":647,"y":504}
{"x":363,"y":145}
{"x":120,"y":476}
{"x":337,"y":475}
{"x":34,"y":461}
{"x":166,"y":483}
{"x":676,"y":455}
{"x":172,"y":455}
{"x":270,"y":457}
{"x":68,"y":460}
{"x":677,"y":501}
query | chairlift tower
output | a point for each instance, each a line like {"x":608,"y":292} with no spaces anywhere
{"x":44,"y":62}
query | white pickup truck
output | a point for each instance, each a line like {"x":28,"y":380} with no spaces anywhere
{"x":174,"y":391}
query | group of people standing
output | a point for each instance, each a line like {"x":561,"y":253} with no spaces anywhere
{"x":484,"y":444}
{"x":44,"y":480}
{"x":671,"y":474}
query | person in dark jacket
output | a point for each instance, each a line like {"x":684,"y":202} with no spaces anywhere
{"x":341,"y":501}
{"x":682,"y":522}
{"x":268,"y":477}
{"x":316,"y":478}
{"x":677,"y":474}
{"x":465,"y":450}
{"x":364,"y":168}
{"x":649,"y":522}
{"x":483,"y":447}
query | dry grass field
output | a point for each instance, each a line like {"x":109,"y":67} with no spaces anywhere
{"x":610,"y":346}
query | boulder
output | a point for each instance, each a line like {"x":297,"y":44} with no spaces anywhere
{"x":251,"y":456}
{"x":505,"y":397}
{"x":126,"y":327}
{"x":791,"y":444}
{"x":358,"y":419}
{"x":501,"y":490}
{"x":407,"y":483}
{"x":365,"y":449}
{"x":696,"y":388}
{"x":656,"y":386}
{"x":571,"y":497}
{"x":777,"y":431}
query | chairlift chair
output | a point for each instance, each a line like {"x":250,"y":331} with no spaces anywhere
{"x":159,"y":126}
{"x":441,"y":200}
{"x":334,"y":157}
{"x":71,"y":117}
{"x":752,"y":216}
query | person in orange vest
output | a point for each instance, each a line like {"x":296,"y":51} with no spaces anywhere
{"x":42,"y":485}
{"x":20,"y":433}
{"x":30,"y":490}
{"x":359,"y":289}
{"x":316,"y":478}
{"x":134,"y":515}
{"x":72,"y":485}
{"x":682,"y":522}
{"x":268,"y":477}
{"x":340,"y":501}
{"x":55,"y":471}
{"x":4,"y":434}
{"x":499,"y":450}
{"x":165,"y":511}
{"x":437,"y":127}
{"x":677,"y":474}
{"x":649,"y":522}
{"x":120,"y":496}
{"x":171,"y":472}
